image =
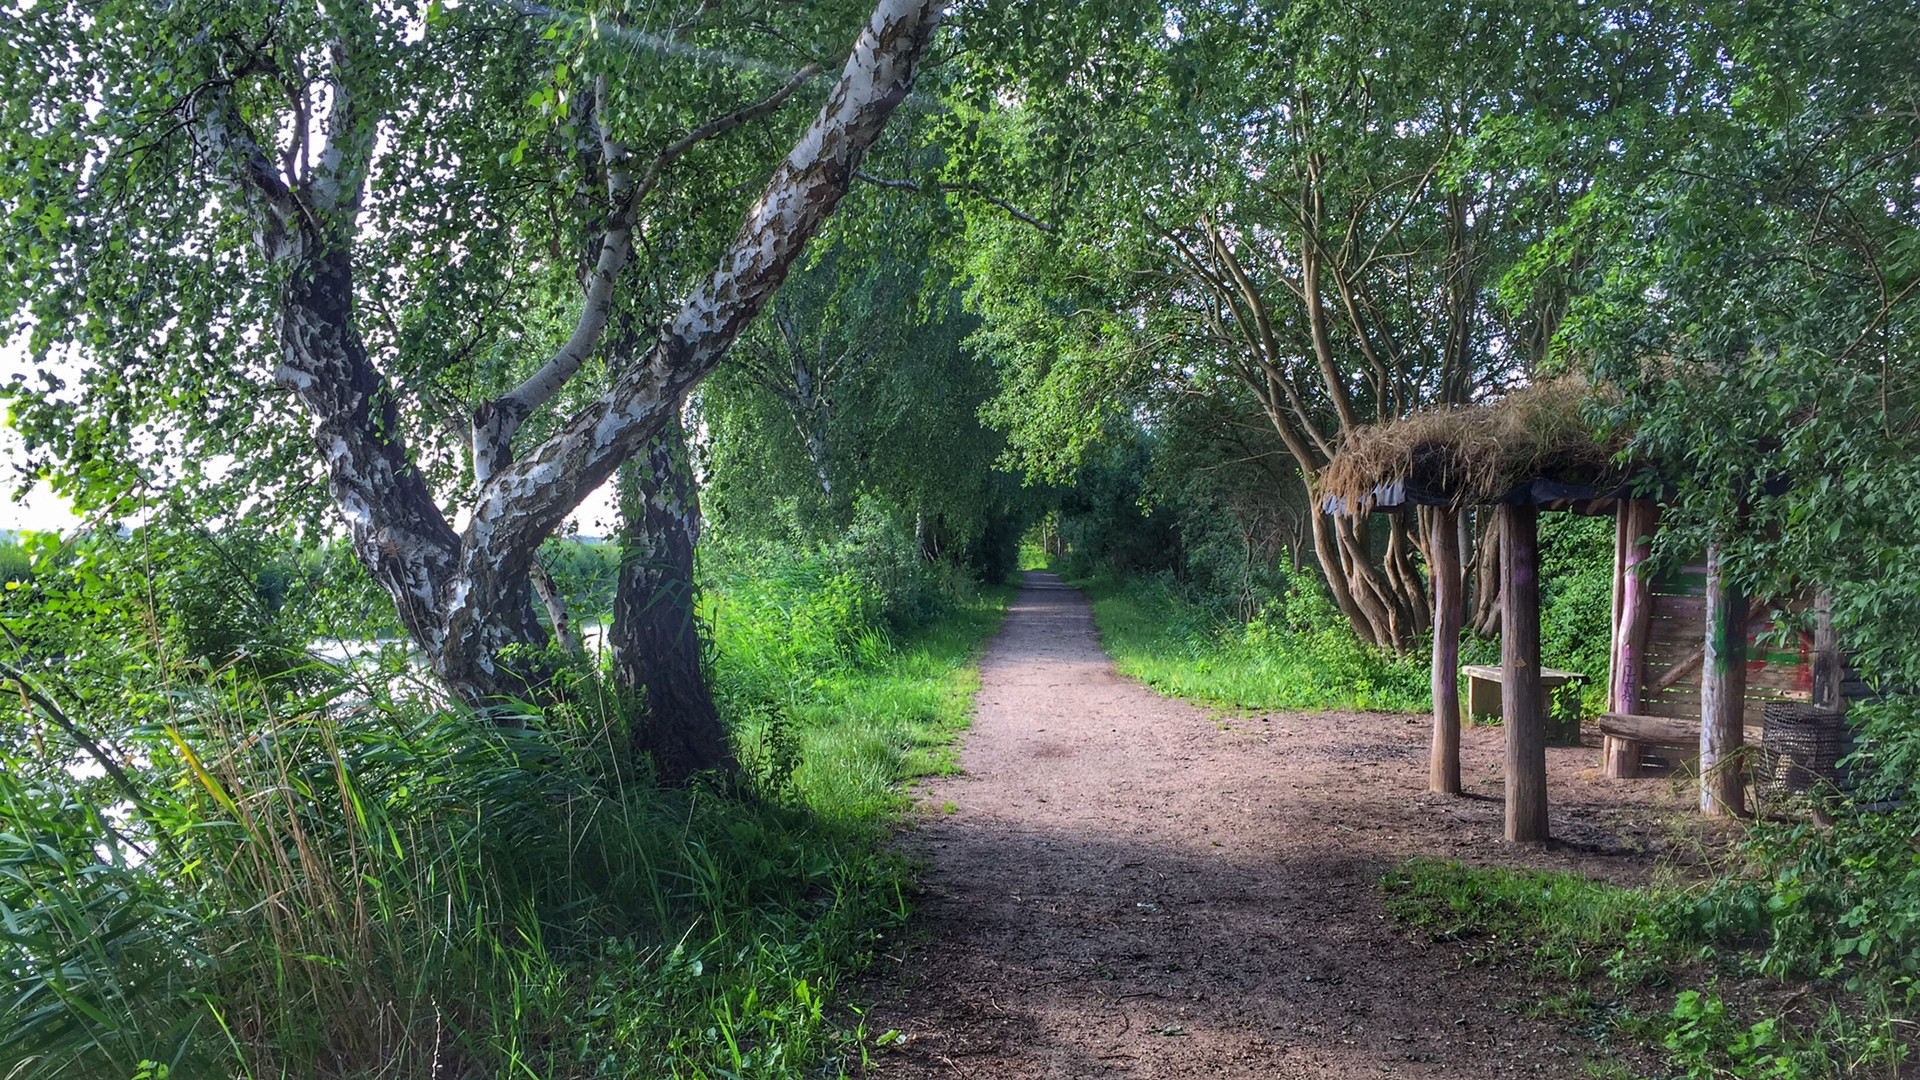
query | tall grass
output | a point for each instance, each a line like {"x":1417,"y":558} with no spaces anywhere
{"x":331,"y":877}
{"x":1297,"y":654}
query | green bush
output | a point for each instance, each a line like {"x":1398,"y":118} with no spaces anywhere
{"x":586,"y":571}
{"x":1576,"y":601}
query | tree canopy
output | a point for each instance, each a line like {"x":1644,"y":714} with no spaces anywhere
{"x":405,"y":219}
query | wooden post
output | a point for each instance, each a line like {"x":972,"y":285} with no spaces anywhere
{"x":1613,"y":611}
{"x":1723,"y":694}
{"x":1829,"y":669}
{"x":1632,"y":613}
{"x":1522,"y":704}
{"x":1443,"y":568}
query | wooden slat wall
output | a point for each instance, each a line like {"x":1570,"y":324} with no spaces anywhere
{"x":1675,"y":630}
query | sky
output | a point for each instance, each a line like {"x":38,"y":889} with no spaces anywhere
{"x":40,"y":510}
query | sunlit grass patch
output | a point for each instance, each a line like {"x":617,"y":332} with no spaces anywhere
{"x":1303,"y":657}
{"x":1568,"y":923}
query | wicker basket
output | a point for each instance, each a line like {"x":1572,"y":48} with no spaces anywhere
{"x":1800,"y":750}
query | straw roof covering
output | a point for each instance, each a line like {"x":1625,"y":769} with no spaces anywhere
{"x":1477,"y":453}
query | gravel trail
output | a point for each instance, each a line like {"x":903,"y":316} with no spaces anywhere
{"x":1122,"y":884}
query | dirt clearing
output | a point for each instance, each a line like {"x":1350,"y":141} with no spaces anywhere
{"x":1123,"y":884}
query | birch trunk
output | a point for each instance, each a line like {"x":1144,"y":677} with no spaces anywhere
{"x":465,"y":596}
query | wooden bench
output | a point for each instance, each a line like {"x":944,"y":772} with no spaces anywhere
{"x":1483,"y":687}
{"x":1483,"y":697}
{"x":1625,"y":734}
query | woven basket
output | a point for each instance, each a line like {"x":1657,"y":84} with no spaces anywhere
{"x":1800,"y":750}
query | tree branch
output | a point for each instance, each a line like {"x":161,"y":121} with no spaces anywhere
{"x":339,"y":180}
{"x":722,"y":126}
{"x":220,"y":132}
{"x":908,"y":185}
{"x":524,"y":502}
{"x":495,"y":423}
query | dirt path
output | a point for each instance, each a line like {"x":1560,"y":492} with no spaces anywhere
{"x":1122,"y":884}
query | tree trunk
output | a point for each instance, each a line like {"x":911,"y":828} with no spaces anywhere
{"x":1443,"y":764}
{"x":1723,"y":695}
{"x":398,"y":532}
{"x":1379,"y":603}
{"x":817,"y":454}
{"x":655,"y":637}
{"x":1486,"y":575}
{"x":1634,"y":610}
{"x":1404,"y":540}
{"x":1375,"y":599}
{"x":556,"y":605}
{"x":1522,"y":703}
{"x":465,"y":596}
{"x":1326,"y":551}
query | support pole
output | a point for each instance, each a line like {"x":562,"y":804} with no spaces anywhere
{"x":1636,"y":519}
{"x":1723,"y":695}
{"x":1829,"y":668}
{"x":1443,"y":568}
{"x":1523,"y":704}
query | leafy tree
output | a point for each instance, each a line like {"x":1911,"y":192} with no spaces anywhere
{"x":828,"y":331}
{"x":1754,"y":294}
{"x":238,"y":220}
{"x":1310,"y":206}
{"x":859,"y":379}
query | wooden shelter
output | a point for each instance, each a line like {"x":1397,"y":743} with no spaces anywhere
{"x":1685,"y":663}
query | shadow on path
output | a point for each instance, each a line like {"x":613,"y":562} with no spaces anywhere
{"x":1131,"y":885}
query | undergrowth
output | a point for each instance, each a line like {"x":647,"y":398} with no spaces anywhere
{"x":207,"y":871}
{"x":1297,"y":653}
{"x":1799,"y":962}
{"x":1266,"y":636}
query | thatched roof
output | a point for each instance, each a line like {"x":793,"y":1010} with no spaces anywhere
{"x":1535,"y":444}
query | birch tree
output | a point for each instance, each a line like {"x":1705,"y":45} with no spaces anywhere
{"x":220,"y":193}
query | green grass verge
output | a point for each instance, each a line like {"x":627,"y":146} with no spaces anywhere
{"x":1301,"y":657}
{"x":869,"y":729}
{"x":1567,"y":924}
{"x":838,"y":751}
{"x":358,"y":884}
{"x":1682,"y":972}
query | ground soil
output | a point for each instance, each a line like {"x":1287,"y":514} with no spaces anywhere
{"x":1121,"y":884}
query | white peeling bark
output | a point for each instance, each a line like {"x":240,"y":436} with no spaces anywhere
{"x":523,"y":502}
{"x":496,"y":422}
{"x":466,"y":597}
